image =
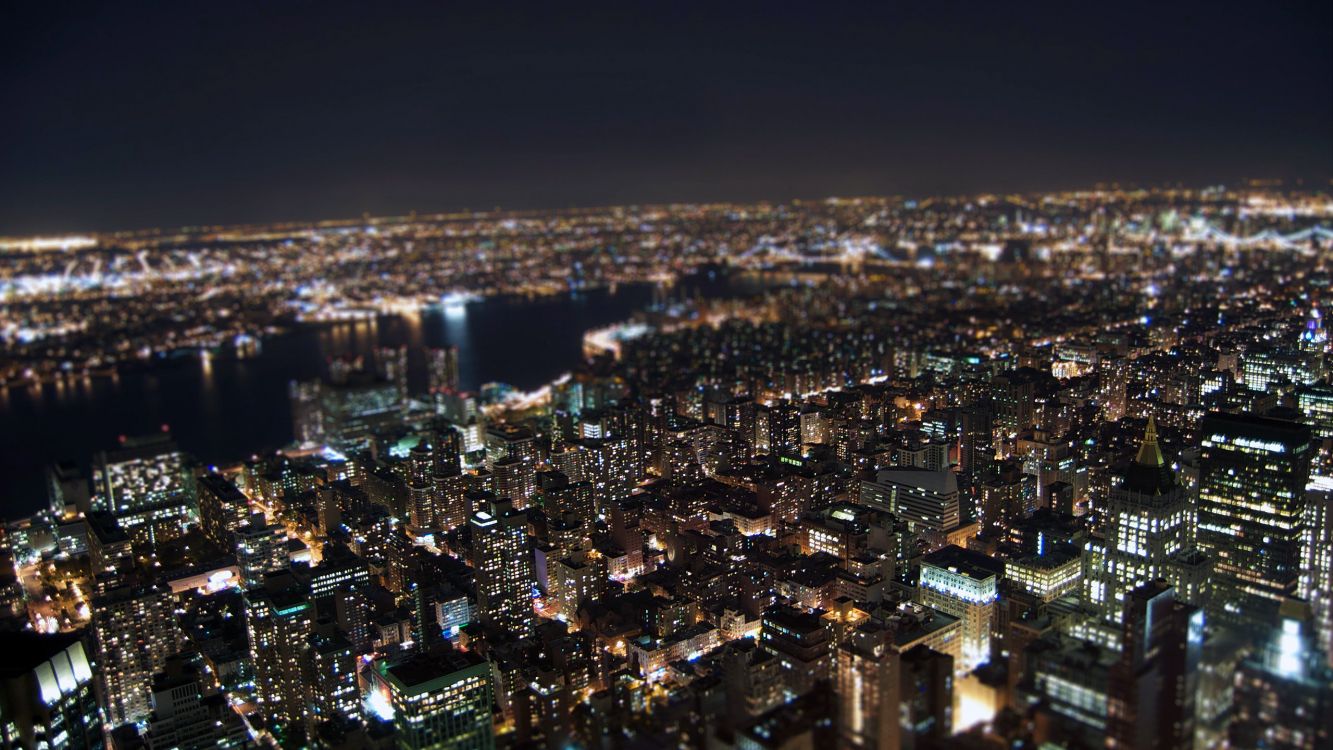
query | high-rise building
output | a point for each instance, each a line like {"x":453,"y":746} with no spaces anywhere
{"x":136,"y":631}
{"x":1253,"y":473}
{"x":515,"y":479}
{"x":964,"y":584}
{"x":222,"y":509}
{"x":330,"y":680}
{"x":47,"y":698}
{"x":1317,"y":561}
{"x":802,"y":643}
{"x":502,"y":564}
{"x":891,"y":696}
{"x":926,"y":500}
{"x":260,"y":549}
{"x":148,"y":487}
{"x":279,"y":619}
{"x":1147,"y":522}
{"x":437,"y":699}
{"x":1151,"y":689}
{"x":392,"y":366}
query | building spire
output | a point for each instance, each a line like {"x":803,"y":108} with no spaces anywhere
{"x":1150,"y":473}
{"x":1150,"y":453}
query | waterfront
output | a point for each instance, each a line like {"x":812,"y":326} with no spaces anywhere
{"x":225,"y":408}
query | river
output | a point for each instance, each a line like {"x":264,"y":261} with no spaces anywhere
{"x":227,"y":408}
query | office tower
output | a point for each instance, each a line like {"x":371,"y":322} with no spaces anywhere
{"x":339,"y":569}
{"x":976,"y":440}
{"x":964,"y":584}
{"x":925,"y":696}
{"x":1147,"y":522}
{"x":279,"y":620}
{"x":189,"y":714}
{"x":503,"y":567}
{"x":926,"y":500}
{"x":575,"y":580}
{"x":222,"y":509}
{"x":1266,"y":368}
{"x":1317,"y":561}
{"x":802,"y":643}
{"x":1284,"y":691}
{"x":1253,"y":473}
{"x":136,"y":631}
{"x":515,"y":479}
{"x":1151,"y":689}
{"x":442,"y":369}
{"x":146,"y":484}
{"x":46,"y":693}
{"x":260,"y":549}
{"x":437,"y":699}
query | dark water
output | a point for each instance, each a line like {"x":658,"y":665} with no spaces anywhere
{"x":231,"y":408}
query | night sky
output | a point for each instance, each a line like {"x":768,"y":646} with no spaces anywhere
{"x":122,"y":115}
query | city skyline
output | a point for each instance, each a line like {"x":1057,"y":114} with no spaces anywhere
{"x":893,"y":376}
{"x":147,"y":116}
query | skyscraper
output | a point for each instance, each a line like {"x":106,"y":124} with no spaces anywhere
{"x":136,"y":632}
{"x":279,"y":620}
{"x":1147,"y":520}
{"x":503,"y":566}
{"x":1253,"y":473}
{"x":1151,"y":695}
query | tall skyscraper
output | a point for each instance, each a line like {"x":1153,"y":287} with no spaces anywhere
{"x":891,"y":696}
{"x":136,"y":632}
{"x":279,"y":620}
{"x":502,"y":563}
{"x":1147,"y":522}
{"x":188,"y":714}
{"x":1253,"y":474}
{"x":392,"y":365}
{"x":1151,"y":692}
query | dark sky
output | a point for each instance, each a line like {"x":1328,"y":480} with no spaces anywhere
{"x":121,"y":115}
